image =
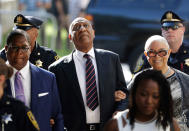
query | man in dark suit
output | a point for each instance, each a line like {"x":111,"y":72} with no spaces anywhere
{"x":40,"y":56}
{"x":87,"y":80}
{"x":34,"y":86}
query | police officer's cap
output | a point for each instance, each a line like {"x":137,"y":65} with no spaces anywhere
{"x":170,"y":18}
{"x":26,"y":22}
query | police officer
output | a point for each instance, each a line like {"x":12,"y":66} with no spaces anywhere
{"x":173,"y":28}
{"x":40,"y":56}
{"x":14,"y":115}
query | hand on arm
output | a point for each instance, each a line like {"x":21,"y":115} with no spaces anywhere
{"x":119,"y":95}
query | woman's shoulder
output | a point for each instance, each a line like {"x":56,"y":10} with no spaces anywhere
{"x":113,"y":124}
{"x":121,"y":114}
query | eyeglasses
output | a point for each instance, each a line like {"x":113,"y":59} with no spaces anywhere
{"x":79,"y":26}
{"x":161,"y":53}
{"x":175,"y":27}
{"x":17,"y":48}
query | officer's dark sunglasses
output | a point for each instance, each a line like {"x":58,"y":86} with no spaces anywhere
{"x":174,"y":27}
{"x":161,"y":53}
{"x":17,"y":48}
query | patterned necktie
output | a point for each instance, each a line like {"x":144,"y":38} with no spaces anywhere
{"x":19,"y":90}
{"x":91,"y":89}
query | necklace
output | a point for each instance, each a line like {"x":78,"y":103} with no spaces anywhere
{"x":167,"y":72}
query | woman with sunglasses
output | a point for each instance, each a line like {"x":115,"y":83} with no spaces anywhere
{"x":157,"y":52}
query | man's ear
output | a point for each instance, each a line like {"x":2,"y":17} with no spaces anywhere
{"x":94,"y":33}
{"x":184,"y":28}
{"x":6,"y":48}
{"x":70,"y":37}
{"x":2,"y":79}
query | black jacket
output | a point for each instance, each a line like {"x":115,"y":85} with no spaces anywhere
{"x":15,"y":116}
{"x":110,"y":78}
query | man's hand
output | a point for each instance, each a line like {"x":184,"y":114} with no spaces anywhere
{"x":119,"y":95}
{"x":52,"y":122}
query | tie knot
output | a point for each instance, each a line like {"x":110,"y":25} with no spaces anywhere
{"x":18,"y":74}
{"x":86,"y":56}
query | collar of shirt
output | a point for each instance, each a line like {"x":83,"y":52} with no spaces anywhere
{"x":24,"y":71}
{"x":80,"y":54}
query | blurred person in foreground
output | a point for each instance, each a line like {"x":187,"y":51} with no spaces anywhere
{"x":34,"y":86}
{"x":87,"y":80}
{"x":150,"y":106}
{"x":157,"y":52}
{"x":40,"y":56}
{"x":172,"y":28}
{"x":14,"y":115}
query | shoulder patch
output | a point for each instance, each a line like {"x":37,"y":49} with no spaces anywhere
{"x":56,"y":57}
{"x":139,"y":65}
{"x":32,"y":119}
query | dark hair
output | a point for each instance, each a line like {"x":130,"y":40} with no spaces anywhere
{"x":17,"y":32}
{"x":5,"y":69}
{"x":165,"y":109}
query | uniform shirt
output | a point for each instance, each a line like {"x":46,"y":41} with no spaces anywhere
{"x":40,"y":56}
{"x":80,"y":61}
{"x":26,"y":82}
{"x":15,"y":116}
{"x":179,"y":60}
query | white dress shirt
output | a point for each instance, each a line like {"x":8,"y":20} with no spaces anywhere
{"x":26,"y":82}
{"x":80,"y":65}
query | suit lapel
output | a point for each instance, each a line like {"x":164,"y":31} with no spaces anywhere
{"x":100,"y":68}
{"x":70,"y":71}
{"x":34,"y":87}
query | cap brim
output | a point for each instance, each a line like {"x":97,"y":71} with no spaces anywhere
{"x":23,"y":27}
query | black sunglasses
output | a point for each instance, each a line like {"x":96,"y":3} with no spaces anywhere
{"x":161,"y":53}
{"x":174,"y":27}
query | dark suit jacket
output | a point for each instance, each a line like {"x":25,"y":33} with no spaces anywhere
{"x":110,"y":77}
{"x":47,"y":105}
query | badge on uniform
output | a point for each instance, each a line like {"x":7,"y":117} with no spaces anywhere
{"x":187,"y":62}
{"x":6,"y":118}
{"x":32,"y":119}
{"x":56,"y":57}
{"x":39,"y":63}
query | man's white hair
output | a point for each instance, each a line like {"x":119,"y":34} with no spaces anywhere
{"x":76,"y":20}
{"x":154,"y":38}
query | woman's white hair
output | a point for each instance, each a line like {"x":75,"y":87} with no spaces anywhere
{"x":154,"y":38}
